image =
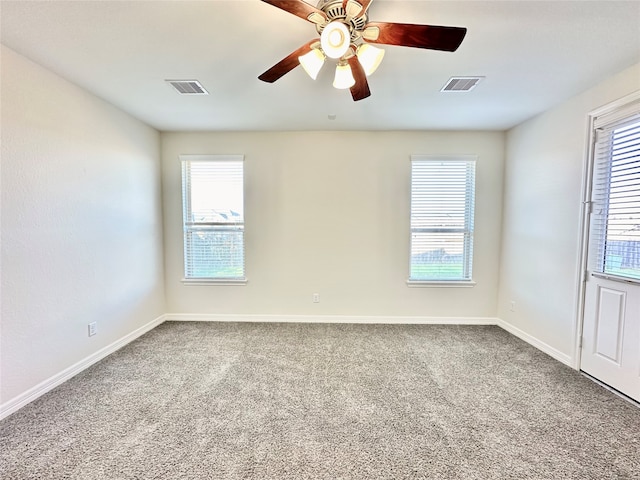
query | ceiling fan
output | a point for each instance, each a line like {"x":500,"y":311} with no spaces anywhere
{"x":346,"y":35}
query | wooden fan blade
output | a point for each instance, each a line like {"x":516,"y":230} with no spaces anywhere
{"x":287,"y":64}
{"x":360,"y":89}
{"x":432,"y":37}
{"x":299,"y":9}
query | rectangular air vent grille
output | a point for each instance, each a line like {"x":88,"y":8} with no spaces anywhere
{"x":188,"y":87}
{"x":461,"y":84}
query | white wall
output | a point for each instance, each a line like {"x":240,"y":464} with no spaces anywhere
{"x":542,"y":203}
{"x":81,"y":225}
{"x":328,"y":212}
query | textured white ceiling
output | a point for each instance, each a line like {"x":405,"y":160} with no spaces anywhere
{"x":533,"y":55}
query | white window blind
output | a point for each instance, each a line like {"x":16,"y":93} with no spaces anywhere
{"x":442,"y":209}
{"x":213,"y":215}
{"x":615,"y":220}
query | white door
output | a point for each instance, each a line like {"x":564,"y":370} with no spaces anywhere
{"x":611,"y":335}
{"x":611,"y":324}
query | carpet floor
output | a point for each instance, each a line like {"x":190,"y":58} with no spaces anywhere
{"x":324,"y":401}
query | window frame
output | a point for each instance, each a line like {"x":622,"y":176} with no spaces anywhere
{"x":469,"y":221}
{"x":601,"y":198}
{"x":186,"y":193}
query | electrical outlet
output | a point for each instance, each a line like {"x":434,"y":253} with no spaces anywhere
{"x":512,"y":306}
{"x":316,"y":298}
{"x":93,"y":328}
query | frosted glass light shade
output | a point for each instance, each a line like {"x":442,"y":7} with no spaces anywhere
{"x":312,"y":62}
{"x":344,"y":77}
{"x":369,"y":57}
{"x":335,"y":39}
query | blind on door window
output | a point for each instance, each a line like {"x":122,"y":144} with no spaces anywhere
{"x":442,"y":209}
{"x":213,"y":214}
{"x":615,"y":217}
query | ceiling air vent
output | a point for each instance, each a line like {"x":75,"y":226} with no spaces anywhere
{"x":188,"y":87}
{"x":461,"y":84}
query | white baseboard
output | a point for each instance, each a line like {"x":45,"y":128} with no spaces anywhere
{"x":400,"y":320}
{"x":549,"y":350}
{"x":30,"y":395}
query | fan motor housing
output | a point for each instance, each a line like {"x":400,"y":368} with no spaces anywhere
{"x":334,"y":10}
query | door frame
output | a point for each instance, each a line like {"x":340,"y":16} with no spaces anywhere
{"x":585,"y":210}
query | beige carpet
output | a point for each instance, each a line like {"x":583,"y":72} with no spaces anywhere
{"x":319,"y":401}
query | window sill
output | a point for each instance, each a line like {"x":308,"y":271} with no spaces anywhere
{"x":214,"y":281}
{"x":441,"y":283}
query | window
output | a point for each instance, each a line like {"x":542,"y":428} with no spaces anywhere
{"x":213,"y":215}
{"x":442,"y":204}
{"x":616,"y":194}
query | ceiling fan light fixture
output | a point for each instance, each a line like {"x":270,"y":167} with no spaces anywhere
{"x":312,"y":62}
{"x":335,"y":39}
{"x":344,"y":77}
{"x":345,"y":32}
{"x":369,"y":57}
